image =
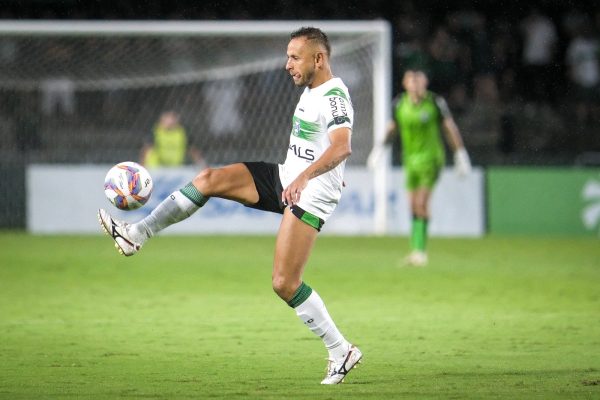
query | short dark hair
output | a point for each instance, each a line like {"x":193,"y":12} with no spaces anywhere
{"x":314,"y":34}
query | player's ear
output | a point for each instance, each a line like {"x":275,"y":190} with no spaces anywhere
{"x":319,"y":58}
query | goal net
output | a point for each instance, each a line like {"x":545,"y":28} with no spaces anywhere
{"x":91,"y":92}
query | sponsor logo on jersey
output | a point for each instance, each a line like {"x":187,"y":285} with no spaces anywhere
{"x":302,"y":152}
{"x":305,"y":129}
{"x":338,"y":111}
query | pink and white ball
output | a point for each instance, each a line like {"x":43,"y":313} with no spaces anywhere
{"x":128,"y":185}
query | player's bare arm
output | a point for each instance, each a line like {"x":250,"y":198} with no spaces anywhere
{"x":452,"y":133}
{"x":339,"y":150}
{"x":462,"y":162}
{"x":390,"y":132}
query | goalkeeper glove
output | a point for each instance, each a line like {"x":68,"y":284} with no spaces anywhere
{"x":462,"y":163}
{"x":375,"y":156}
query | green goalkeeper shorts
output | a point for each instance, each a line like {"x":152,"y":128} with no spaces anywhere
{"x":422,"y":177}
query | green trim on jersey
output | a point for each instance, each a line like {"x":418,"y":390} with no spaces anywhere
{"x":308,"y":218}
{"x":304,"y":129}
{"x":336,"y":92}
{"x":311,"y":220}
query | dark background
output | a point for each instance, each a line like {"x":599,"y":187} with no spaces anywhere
{"x":509,"y":111}
{"x":472,"y":50}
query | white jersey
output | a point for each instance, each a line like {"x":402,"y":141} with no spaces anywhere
{"x":319,"y":111}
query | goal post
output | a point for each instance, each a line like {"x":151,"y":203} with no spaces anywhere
{"x":92,"y":90}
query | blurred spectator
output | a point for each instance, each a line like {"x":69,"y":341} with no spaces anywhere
{"x":58,"y":90}
{"x":505,"y":55}
{"x":223,"y":120}
{"x":411,"y":27}
{"x":444,"y":65}
{"x":169,"y":145}
{"x":58,"y":96}
{"x":583,"y":68}
{"x":540,"y":43}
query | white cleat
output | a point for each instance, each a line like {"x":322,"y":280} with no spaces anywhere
{"x":338,"y":369}
{"x":118,"y":230}
{"x":416,"y":259}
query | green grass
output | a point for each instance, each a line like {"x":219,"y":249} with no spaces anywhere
{"x":195,"y":317}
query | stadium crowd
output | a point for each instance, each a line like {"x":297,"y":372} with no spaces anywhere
{"x":534,"y":70}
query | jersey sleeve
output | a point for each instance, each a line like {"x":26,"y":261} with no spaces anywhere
{"x":337,"y":110}
{"x":441,"y":104}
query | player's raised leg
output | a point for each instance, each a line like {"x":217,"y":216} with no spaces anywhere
{"x":233,"y":182}
{"x":294,"y":244}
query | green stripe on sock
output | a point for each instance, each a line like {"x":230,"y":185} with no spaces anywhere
{"x":193,"y":194}
{"x":300,"y":296}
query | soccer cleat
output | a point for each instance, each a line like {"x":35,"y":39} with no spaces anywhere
{"x":118,"y":230}
{"x":338,"y":369}
{"x":416,"y":259}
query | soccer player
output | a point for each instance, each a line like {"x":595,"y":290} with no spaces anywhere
{"x":305,"y":189}
{"x":419,"y":116}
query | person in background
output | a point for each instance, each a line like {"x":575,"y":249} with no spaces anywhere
{"x":419,"y":117}
{"x":169,"y":145}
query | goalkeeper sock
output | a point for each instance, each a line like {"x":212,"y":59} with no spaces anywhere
{"x":175,"y":208}
{"x":311,"y":310}
{"x":418,"y":239}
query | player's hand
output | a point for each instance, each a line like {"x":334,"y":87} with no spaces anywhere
{"x":375,"y":156}
{"x":462,"y":163}
{"x":291,"y":194}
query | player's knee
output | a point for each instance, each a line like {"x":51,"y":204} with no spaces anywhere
{"x":204,"y":180}
{"x":419,"y":209}
{"x":283,"y":287}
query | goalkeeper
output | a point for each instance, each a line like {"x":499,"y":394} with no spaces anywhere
{"x":305,"y":189}
{"x":419,"y":116}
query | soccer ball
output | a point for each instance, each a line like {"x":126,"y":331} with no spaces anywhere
{"x":128,"y":185}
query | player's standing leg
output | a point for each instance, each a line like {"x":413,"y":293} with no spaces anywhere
{"x":295,"y":241}
{"x":419,"y":205}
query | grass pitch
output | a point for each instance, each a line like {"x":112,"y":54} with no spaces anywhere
{"x":195,"y":317}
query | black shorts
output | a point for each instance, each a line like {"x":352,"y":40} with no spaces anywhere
{"x":268,"y":186}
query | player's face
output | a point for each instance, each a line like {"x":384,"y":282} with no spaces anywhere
{"x":415,"y":82}
{"x":301,"y":61}
{"x":169,"y":120}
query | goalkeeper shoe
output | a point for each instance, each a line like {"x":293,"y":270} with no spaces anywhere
{"x":416,"y":259}
{"x":119,"y":231}
{"x":338,"y":369}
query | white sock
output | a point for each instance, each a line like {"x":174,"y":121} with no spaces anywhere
{"x":171,"y":210}
{"x":313,"y":314}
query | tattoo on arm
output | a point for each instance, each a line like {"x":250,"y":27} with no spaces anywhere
{"x":327,"y":167}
